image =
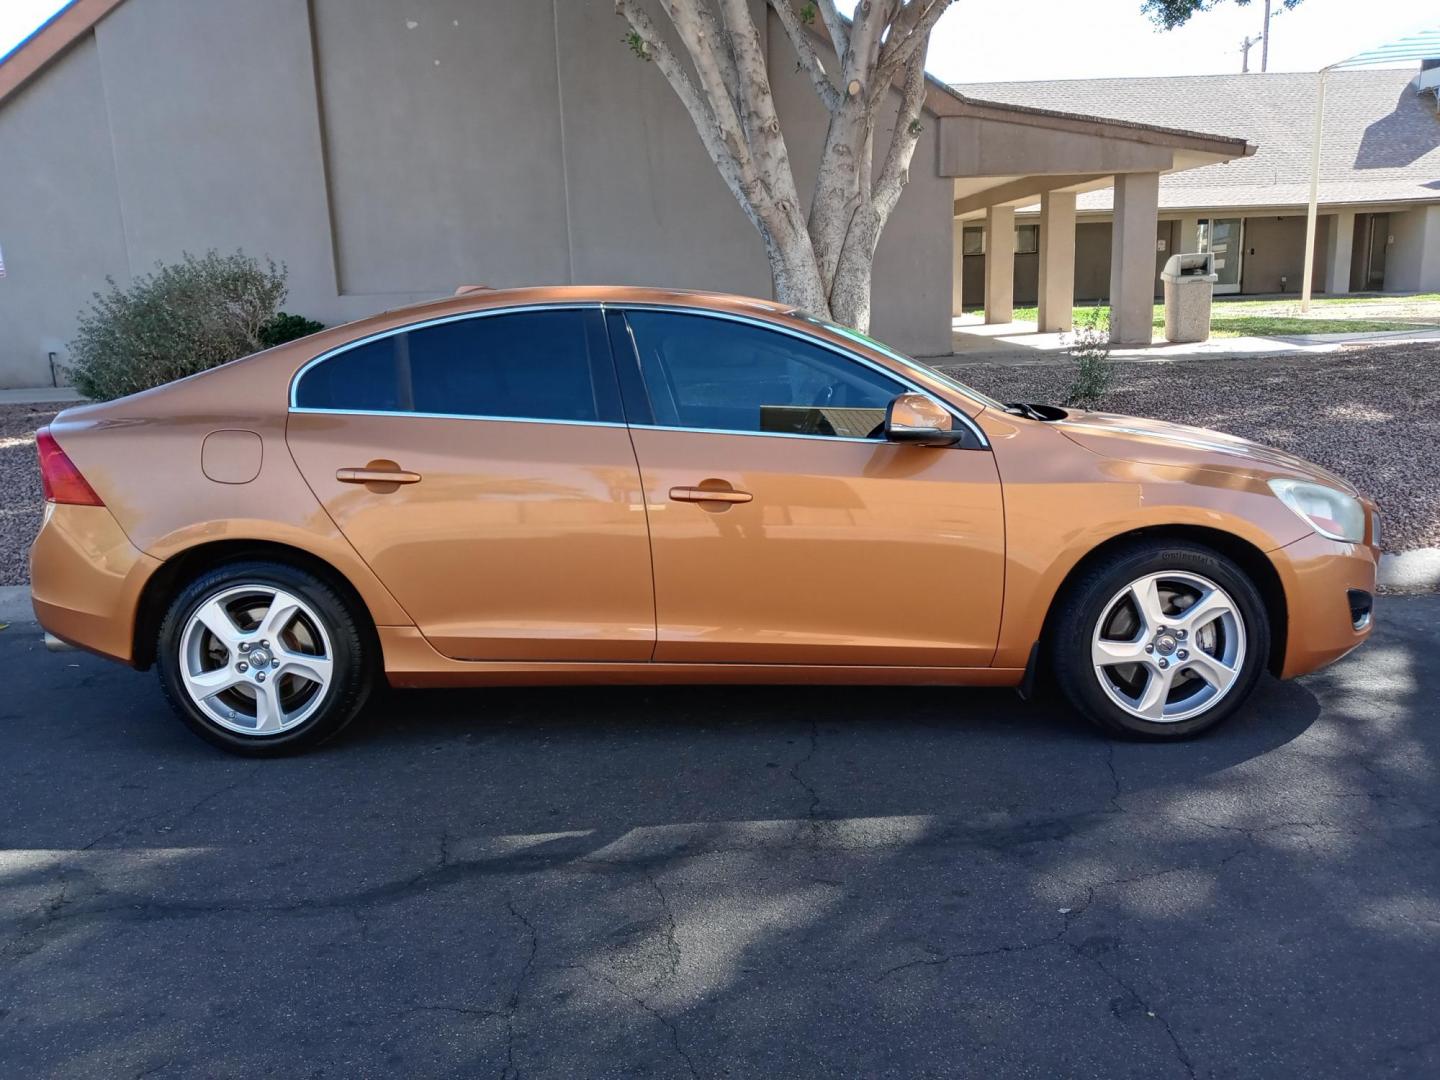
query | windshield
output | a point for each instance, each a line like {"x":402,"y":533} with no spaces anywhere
{"x":906,"y":361}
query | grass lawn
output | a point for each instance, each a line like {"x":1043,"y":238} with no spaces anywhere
{"x":1280,"y":318}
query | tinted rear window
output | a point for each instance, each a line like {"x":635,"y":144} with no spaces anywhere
{"x":532,"y":365}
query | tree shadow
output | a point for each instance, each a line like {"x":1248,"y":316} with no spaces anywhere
{"x":752,"y":881}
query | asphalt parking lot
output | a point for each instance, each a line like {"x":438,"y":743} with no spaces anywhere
{"x":725,"y":882}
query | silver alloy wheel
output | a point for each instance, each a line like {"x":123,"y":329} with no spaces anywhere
{"x":1168,"y":646}
{"x":256,"y":659}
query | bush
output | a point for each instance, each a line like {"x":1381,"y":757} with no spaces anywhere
{"x":1089,"y":346}
{"x":286,"y":327}
{"x":186,"y":317}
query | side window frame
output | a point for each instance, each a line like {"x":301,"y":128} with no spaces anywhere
{"x":600,"y":360}
{"x":636,"y":397}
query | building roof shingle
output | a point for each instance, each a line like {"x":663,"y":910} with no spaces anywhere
{"x":1381,"y":143}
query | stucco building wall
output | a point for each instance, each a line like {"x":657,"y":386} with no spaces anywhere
{"x":387,"y":156}
{"x":1412,"y":263}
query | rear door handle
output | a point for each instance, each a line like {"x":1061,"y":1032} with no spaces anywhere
{"x":699,"y":494}
{"x":376,"y":476}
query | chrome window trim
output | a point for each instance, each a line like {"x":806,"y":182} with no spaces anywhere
{"x":847,"y":354}
{"x":328,"y":354}
{"x":761,"y":434}
{"x":609,"y":305}
{"x":303,"y":410}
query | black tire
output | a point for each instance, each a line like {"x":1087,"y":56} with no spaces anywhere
{"x":1086,"y":601}
{"x":350,"y":649}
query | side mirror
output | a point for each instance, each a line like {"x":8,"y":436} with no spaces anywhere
{"x":920,"y":420}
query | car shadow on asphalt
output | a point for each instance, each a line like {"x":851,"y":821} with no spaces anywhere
{"x":762,"y":880}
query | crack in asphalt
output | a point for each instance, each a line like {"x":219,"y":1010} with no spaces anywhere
{"x":642,"y":1002}
{"x":812,"y":812}
{"x":1114,"y":777}
{"x":972,"y":954}
{"x":1181,"y":1055}
{"x":672,"y":943}
{"x":513,"y":1004}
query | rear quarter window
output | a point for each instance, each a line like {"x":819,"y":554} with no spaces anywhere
{"x":533,"y":365}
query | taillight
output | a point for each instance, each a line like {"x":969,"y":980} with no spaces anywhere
{"x":59,"y":477}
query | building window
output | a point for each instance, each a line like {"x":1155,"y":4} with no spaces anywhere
{"x":974,"y":242}
{"x":1027,"y":239}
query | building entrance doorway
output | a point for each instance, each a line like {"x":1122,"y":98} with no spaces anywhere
{"x":1225,"y":238}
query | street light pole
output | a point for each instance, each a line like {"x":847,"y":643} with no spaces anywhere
{"x":1265,"y":40}
{"x":1308,"y":274}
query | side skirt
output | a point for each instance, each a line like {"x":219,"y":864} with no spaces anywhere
{"x":411,"y":662}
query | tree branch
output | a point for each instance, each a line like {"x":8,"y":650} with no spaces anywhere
{"x":727,"y":149}
{"x":909,"y":33}
{"x":835,"y":24}
{"x":866,"y":34}
{"x":895,"y":173}
{"x":805,"y":49}
{"x":767,"y":141}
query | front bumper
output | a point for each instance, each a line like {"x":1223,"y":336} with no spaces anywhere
{"x":1318,"y":576}
{"x":86,"y":579}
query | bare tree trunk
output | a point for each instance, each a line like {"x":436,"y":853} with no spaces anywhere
{"x":850,"y":292}
{"x":823,"y":262}
{"x":795,"y":277}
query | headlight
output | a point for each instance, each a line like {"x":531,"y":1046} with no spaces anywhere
{"x":1331,"y":513}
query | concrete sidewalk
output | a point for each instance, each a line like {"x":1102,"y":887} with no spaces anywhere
{"x":976,"y":341}
{"x":40,"y":395}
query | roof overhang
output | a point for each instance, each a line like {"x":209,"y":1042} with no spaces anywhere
{"x":47,"y":44}
{"x":1009,"y":155}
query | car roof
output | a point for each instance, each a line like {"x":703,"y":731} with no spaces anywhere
{"x":480,"y":298}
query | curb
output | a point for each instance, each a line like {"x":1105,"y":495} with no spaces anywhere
{"x":15,"y":604}
{"x":1415,"y":571}
{"x":1410,"y":571}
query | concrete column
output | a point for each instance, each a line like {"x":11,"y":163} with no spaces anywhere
{"x":1000,"y":264}
{"x":1132,"y":257}
{"x":1057,"y":261}
{"x":1339,"y":241}
{"x":957,"y":271}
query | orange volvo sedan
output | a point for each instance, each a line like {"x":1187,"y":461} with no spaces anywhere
{"x":586,"y":485}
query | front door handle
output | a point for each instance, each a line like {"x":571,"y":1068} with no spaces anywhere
{"x":700,"y":494}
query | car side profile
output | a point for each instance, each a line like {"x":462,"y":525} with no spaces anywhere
{"x":619,"y":485}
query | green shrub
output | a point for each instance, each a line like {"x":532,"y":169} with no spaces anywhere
{"x":286,"y":327}
{"x":1089,"y":346}
{"x":182,"y":318}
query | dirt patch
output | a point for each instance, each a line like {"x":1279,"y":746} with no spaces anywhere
{"x":20,"y":500}
{"x":1370,"y":414}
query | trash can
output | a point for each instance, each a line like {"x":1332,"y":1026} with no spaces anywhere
{"x":1189,"y":282}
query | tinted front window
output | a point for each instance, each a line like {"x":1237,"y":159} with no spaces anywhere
{"x":713,"y":373}
{"x":527,"y":365}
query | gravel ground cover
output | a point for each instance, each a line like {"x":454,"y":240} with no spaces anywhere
{"x":20,"y":499}
{"x":1371,"y":414}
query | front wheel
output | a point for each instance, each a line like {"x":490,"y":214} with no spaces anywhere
{"x":1160,"y":642}
{"x":262,"y":659}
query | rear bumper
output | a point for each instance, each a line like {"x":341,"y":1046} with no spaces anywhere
{"x":86,"y":579}
{"x":1318,"y":576}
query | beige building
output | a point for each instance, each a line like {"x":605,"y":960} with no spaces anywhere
{"x":1379,"y":195}
{"x":388,"y":152}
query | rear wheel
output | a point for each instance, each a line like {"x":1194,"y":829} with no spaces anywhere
{"x":1160,"y":642}
{"x":263,"y":659}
